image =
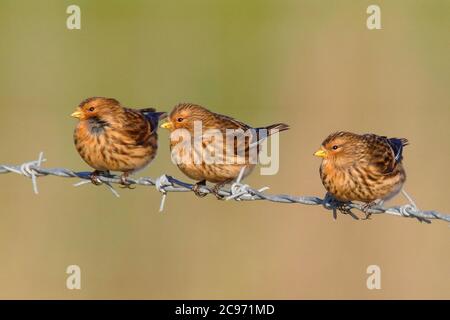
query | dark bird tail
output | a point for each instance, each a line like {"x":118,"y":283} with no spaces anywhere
{"x":397,"y":145}
{"x":264,"y":132}
{"x":278,"y":127}
{"x":153,"y":117}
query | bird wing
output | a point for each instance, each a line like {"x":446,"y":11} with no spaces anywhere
{"x":246,"y":142}
{"x":236,"y":136}
{"x":384,"y":153}
{"x":138,"y":128}
{"x":230,"y":123}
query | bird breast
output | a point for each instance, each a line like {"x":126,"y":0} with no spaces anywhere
{"x":108,"y":149}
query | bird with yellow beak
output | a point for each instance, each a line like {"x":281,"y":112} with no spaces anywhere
{"x":185,"y":116}
{"x":111,"y":137}
{"x":366,"y":168}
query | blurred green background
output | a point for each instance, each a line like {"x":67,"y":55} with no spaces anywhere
{"x":312,"y":64}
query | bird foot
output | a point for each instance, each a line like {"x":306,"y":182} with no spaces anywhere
{"x":217,"y":187}
{"x":337,"y":205}
{"x":344,"y":208}
{"x":196,"y":189}
{"x":95,"y":179}
{"x":124,"y":184}
{"x":366,"y":207}
{"x":216,"y":191}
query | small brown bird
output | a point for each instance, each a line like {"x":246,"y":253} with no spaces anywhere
{"x":365,"y":168}
{"x":234,"y":152}
{"x":110,"y":137}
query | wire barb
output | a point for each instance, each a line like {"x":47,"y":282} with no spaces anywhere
{"x":238,"y":191}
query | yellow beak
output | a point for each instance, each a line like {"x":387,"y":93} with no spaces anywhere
{"x":167,"y":125}
{"x":320,"y":153}
{"x":77,"y":114}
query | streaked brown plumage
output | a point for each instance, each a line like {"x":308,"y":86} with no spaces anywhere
{"x":110,"y":137}
{"x":362,"y":168}
{"x":184,"y":115}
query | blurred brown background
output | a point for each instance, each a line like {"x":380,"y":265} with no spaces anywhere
{"x":312,"y":64}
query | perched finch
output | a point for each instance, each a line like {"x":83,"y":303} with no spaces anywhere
{"x":365,"y":168}
{"x":235,"y":145}
{"x":110,"y":137}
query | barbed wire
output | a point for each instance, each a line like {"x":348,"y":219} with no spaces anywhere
{"x":238,"y":191}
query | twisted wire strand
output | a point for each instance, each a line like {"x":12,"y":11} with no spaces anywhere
{"x":238,"y":191}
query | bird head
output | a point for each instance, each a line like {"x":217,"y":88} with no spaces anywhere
{"x":96,"y":108}
{"x":340,"y":148}
{"x":184,"y":115}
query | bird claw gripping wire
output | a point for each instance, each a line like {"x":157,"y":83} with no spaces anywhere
{"x":331,"y":203}
{"x":196,"y":189}
{"x":95,"y":179}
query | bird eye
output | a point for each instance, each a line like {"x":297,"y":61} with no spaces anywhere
{"x":180,"y":119}
{"x":334,"y":147}
{"x":91,"y":109}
